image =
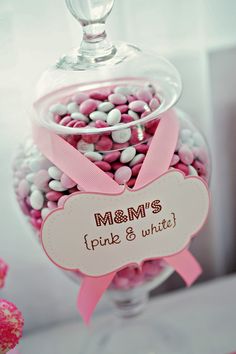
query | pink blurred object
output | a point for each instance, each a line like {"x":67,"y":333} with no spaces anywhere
{"x":3,"y":272}
{"x":11,"y":326}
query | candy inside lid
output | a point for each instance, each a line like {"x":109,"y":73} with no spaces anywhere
{"x":101,"y":64}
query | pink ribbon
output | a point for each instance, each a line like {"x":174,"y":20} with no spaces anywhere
{"x":90,"y":178}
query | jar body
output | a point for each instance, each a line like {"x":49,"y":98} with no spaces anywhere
{"x":41,"y":187}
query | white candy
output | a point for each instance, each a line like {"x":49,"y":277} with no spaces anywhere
{"x":198,"y":139}
{"x":30,"y":177}
{"x":138,"y":106}
{"x":79,"y":116}
{"x":185,"y":134}
{"x":58,"y":108}
{"x":36,"y":200}
{"x":123,"y":90}
{"x":105,"y":106}
{"x":121,"y":136}
{"x":97,"y":115}
{"x":127,"y":154}
{"x":37,"y":164}
{"x":190,"y":143}
{"x":72,"y":107}
{"x":33,"y":187}
{"x":84,"y":147}
{"x":114,"y":117}
{"x":186,"y":155}
{"x":192,"y":171}
{"x":34,"y":165}
{"x":117,"y":98}
{"x":54,"y":172}
{"x":133,"y":114}
{"x":134,"y":89}
{"x":93,"y":156}
{"x":137,"y":159}
{"x":57,"y":186}
{"x":45,"y":212}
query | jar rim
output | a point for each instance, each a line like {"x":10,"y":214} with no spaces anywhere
{"x":43,"y":117}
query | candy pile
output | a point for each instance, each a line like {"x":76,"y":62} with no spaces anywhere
{"x":11,"y":326}
{"x":3,"y":272}
{"x":40,"y":186}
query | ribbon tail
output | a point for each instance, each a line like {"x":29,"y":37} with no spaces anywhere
{"x":91,"y":291}
{"x":185,"y":265}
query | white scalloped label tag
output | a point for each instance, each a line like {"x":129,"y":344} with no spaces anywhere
{"x":99,"y":233}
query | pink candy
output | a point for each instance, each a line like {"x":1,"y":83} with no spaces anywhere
{"x":88,"y":106}
{"x":122,"y":108}
{"x":105,"y":166}
{"x":175,"y":160}
{"x":35,"y":213}
{"x":136,"y":169}
{"x":182,"y":167}
{"x":200,"y":168}
{"x":104,"y":144}
{"x":112,"y":156}
{"x":67,"y":182}
{"x":125,"y":118}
{"x":65,"y":120}
{"x":141,"y":148}
{"x":53,"y":196}
{"x":51,"y":205}
{"x":62,"y":200}
{"x":102,"y":94}
{"x":79,"y":124}
{"x":90,"y":138}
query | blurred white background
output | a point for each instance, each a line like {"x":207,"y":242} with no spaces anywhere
{"x":199,"y":37}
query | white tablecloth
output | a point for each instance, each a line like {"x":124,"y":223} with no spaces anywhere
{"x":204,"y":317}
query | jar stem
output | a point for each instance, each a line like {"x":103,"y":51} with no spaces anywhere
{"x":92,"y":15}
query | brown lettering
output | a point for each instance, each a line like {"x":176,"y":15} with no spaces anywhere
{"x":107,"y":218}
{"x":140,"y":212}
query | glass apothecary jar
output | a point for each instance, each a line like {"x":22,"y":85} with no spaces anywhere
{"x":106,"y":100}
